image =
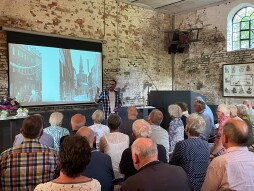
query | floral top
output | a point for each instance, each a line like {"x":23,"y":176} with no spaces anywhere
{"x":56,"y":132}
{"x":175,"y":132}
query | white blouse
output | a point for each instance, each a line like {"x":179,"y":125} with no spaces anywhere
{"x":99,"y":131}
{"x":113,"y":144}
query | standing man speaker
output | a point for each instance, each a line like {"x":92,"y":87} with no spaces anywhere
{"x":109,"y":98}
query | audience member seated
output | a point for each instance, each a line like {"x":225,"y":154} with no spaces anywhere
{"x":99,"y":129}
{"x":114,"y":143}
{"x":78,"y":120}
{"x":153,"y":174}
{"x":126,"y":126}
{"x":200,"y":108}
{"x":159,"y":135}
{"x":208,"y":109}
{"x":251,"y":111}
{"x":223,"y":114}
{"x":30,"y":163}
{"x":176,"y":128}
{"x":55,"y":130}
{"x":74,"y":156}
{"x":45,"y":139}
{"x":233,"y":170}
{"x":193,"y":153}
{"x":233,"y":112}
{"x":140,"y":128}
{"x":100,"y":165}
{"x":243,"y":113}
{"x":185,"y":115}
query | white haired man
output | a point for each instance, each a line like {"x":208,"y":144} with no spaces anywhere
{"x":140,"y":128}
{"x":153,"y":174}
{"x":200,"y":108}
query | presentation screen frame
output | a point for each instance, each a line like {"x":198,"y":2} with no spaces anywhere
{"x":77,"y":69}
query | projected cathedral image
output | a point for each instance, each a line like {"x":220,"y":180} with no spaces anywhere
{"x":69,"y":78}
{"x":36,"y":72}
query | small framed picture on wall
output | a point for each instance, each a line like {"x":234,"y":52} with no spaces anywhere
{"x":238,"y":80}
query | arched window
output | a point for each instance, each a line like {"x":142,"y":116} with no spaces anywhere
{"x":241,"y":28}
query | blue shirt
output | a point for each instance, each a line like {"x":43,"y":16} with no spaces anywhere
{"x":45,"y":139}
{"x":209,"y":128}
{"x":100,"y":168}
{"x":193,"y":156}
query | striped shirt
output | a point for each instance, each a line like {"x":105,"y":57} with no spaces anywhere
{"x":233,"y":170}
{"x":27,"y":165}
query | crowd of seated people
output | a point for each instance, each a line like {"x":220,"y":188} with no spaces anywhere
{"x":210,"y":157}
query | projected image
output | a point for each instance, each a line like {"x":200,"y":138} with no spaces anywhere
{"x":45,"y":75}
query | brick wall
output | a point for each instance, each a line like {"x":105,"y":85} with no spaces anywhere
{"x":200,"y":68}
{"x":134,"y":52}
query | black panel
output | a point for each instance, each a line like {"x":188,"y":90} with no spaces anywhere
{"x":40,"y":40}
{"x":162,"y":99}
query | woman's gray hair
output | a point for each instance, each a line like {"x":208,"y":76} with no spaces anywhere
{"x":144,"y":148}
{"x":174,"y":111}
{"x":195,"y":124}
{"x":224,"y":109}
{"x":233,"y":110}
{"x":242,"y":109}
{"x":56,"y":119}
{"x":98,"y":116}
{"x":141,"y":128}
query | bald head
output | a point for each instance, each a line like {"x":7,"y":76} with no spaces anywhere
{"x":88,"y":133}
{"x":155,"y":117}
{"x":143,"y":150}
{"x":236,"y":132}
{"x":78,"y":120}
{"x":132,"y":112}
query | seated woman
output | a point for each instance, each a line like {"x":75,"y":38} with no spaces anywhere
{"x":55,"y":130}
{"x":74,"y":156}
{"x":176,"y":128}
{"x":193,"y":153}
{"x":223,"y":114}
{"x":98,"y":129}
{"x":114,"y":143}
{"x":185,"y":115}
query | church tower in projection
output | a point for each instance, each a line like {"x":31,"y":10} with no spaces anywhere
{"x":82,"y":80}
{"x":67,"y":76}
